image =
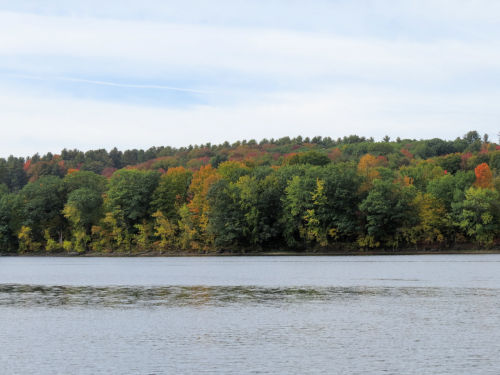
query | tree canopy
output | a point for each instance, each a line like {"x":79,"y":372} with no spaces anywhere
{"x":290,"y":193}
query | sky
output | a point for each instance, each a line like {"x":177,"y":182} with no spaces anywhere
{"x":135,"y":74}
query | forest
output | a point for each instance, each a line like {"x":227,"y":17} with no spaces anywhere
{"x":303,"y":194}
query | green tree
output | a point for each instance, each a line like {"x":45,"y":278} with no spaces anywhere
{"x":233,"y":170}
{"x":85,"y":179}
{"x":171,"y":192}
{"x":226,"y":219}
{"x":319,"y":204}
{"x":130,"y":193}
{"x":312,"y":157}
{"x":3,"y":189}
{"x":421,"y":173}
{"x":450,"y":189}
{"x":479,"y":214}
{"x":83,"y":210}
{"x":43,"y":202}
{"x":297,"y":200}
{"x":259,"y":199}
{"x":387,"y":210}
{"x":11,"y":218}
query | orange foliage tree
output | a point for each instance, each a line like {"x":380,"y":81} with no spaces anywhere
{"x":484,"y":177}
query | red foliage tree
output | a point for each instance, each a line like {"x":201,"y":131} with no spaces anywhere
{"x":335,"y":154}
{"x":108,"y":172}
{"x":27,"y":165}
{"x":465,"y":157}
{"x":407,"y":153}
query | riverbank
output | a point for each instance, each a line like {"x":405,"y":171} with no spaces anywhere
{"x":385,"y":252}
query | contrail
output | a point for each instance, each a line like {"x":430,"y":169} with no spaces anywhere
{"x":113,"y":84}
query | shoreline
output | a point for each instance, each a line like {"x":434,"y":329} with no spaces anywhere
{"x":155,"y":254}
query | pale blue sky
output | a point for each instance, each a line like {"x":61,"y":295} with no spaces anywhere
{"x":133,"y":74}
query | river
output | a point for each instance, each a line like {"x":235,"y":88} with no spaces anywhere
{"x":425,"y":314}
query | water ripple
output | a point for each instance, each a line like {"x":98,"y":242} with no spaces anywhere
{"x":25,"y":295}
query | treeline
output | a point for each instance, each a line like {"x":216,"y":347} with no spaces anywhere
{"x":298,"y":194}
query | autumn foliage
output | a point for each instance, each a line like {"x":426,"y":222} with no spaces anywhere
{"x":484,"y":177}
{"x":367,"y":167}
{"x":300,"y":194}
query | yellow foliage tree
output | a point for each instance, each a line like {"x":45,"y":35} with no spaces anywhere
{"x":165,"y":230}
{"x":199,"y":208}
{"x":50,"y":243}
{"x":143,"y":236}
{"x":188,"y":234}
{"x":367,"y":168}
{"x":432,"y":220}
{"x":314,"y":229}
{"x":110,"y":234}
{"x":80,"y":237}
{"x":26,"y":242}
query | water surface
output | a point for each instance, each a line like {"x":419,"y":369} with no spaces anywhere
{"x":226,"y":315}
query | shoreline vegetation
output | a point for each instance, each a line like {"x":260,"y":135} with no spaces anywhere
{"x":323,"y":252}
{"x":290,"y":196}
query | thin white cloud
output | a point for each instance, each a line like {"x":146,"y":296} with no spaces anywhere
{"x":131,"y":46}
{"x":363,"y":15}
{"x":108,"y":83}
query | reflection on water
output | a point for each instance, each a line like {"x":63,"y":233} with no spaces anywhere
{"x":19,"y":295}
